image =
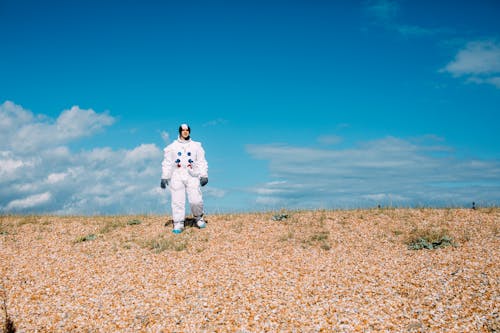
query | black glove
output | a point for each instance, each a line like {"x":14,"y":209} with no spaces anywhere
{"x":203,"y":181}
{"x":164,"y":183}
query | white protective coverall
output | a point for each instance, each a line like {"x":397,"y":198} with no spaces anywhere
{"x":183,"y":165}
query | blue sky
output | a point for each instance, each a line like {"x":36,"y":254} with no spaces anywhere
{"x":298,"y":104}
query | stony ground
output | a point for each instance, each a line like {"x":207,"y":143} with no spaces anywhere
{"x":298,"y":271}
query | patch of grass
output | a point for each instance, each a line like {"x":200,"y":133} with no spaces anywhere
{"x":429,"y":238}
{"x":397,"y":232}
{"x":319,"y":238}
{"x":3,"y":229}
{"x":171,"y":242}
{"x":89,"y":237}
{"x":134,"y":222}
{"x":29,"y":219}
{"x":325,"y":246}
{"x":163,"y":244}
{"x":110,"y":226}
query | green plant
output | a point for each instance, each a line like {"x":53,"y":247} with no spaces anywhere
{"x":397,"y":232}
{"x":110,"y":226}
{"x":3,"y":229}
{"x":325,"y":246}
{"x":89,"y":237}
{"x":134,"y":222}
{"x":321,"y":238}
{"x":172,"y":243}
{"x":429,"y":238}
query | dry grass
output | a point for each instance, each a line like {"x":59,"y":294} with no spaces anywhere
{"x":299,"y":271}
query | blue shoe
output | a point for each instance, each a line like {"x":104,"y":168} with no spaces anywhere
{"x":178,"y":227}
{"x":201,"y":223}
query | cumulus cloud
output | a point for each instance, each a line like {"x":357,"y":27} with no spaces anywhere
{"x":22,"y":131}
{"x":385,"y":171}
{"x":478,"y":57}
{"x":478,"y":62}
{"x":39,"y":173}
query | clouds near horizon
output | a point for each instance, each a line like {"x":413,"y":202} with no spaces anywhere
{"x":385,"y":171}
{"x":101,"y":180}
{"x":38,"y":172}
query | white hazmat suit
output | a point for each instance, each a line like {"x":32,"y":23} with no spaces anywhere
{"x":183,"y":166}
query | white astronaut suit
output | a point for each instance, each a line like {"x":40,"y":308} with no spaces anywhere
{"x":185,"y":170}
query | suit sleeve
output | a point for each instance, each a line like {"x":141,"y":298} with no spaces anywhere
{"x":201,"y":162}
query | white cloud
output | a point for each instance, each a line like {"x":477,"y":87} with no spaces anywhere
{"x":9,"y":166}
{"x":29,"y":202}
{"x":390,"y":170}
{"x":76,"y":123}
{"x":491,"y":80}
{"x":478,"y":57}
{"x":12,"y":166}
{"x":22,"y":131}
{"x":39,"y":174}
{"x":142,"y":153}
{"x":56,"y":177}
{"x":12,"y":116}
{"x":478,"y":62}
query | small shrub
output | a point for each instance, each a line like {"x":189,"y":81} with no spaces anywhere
{"x":397,"y":232}
{"x":429,"y":238}
{"x":3,"y":230}
{"x":134,"y":222}
{"x":162,"y":244}
{"x":89,"y":237}
{"x":321,"y":238}
{"x":325,"y":246}
{"x":110,"y":226}
{"x":279,"y":217}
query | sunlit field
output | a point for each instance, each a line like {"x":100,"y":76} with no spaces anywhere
{"x":401,"y":270}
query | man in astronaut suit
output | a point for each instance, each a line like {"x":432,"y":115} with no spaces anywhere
{"x":184,"y":170}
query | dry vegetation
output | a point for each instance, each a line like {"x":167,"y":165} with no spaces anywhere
{"x":403,"y":270}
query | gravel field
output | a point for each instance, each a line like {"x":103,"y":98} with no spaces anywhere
{"x":289,"y":271}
